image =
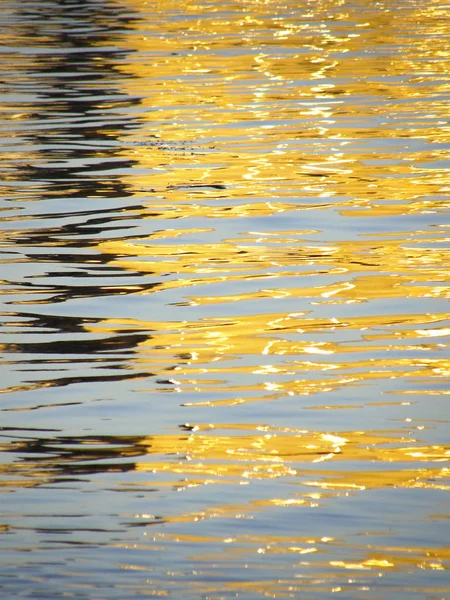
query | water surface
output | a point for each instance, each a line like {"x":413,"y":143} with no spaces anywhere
{"x":224,"y":279}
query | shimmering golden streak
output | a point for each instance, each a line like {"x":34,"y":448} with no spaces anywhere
{"x":360,"y":289}
{"x":282,"y":322}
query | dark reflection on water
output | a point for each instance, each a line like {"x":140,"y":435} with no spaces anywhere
{"x":224,"y":282}
{"x":62,"y":83}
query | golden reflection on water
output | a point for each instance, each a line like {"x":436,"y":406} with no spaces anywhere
{"x":280,"y":253}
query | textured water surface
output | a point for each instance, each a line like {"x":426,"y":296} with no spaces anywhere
{"x":224,"y":280}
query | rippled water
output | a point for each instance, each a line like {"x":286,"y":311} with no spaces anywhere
{"x":224,"y":277}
